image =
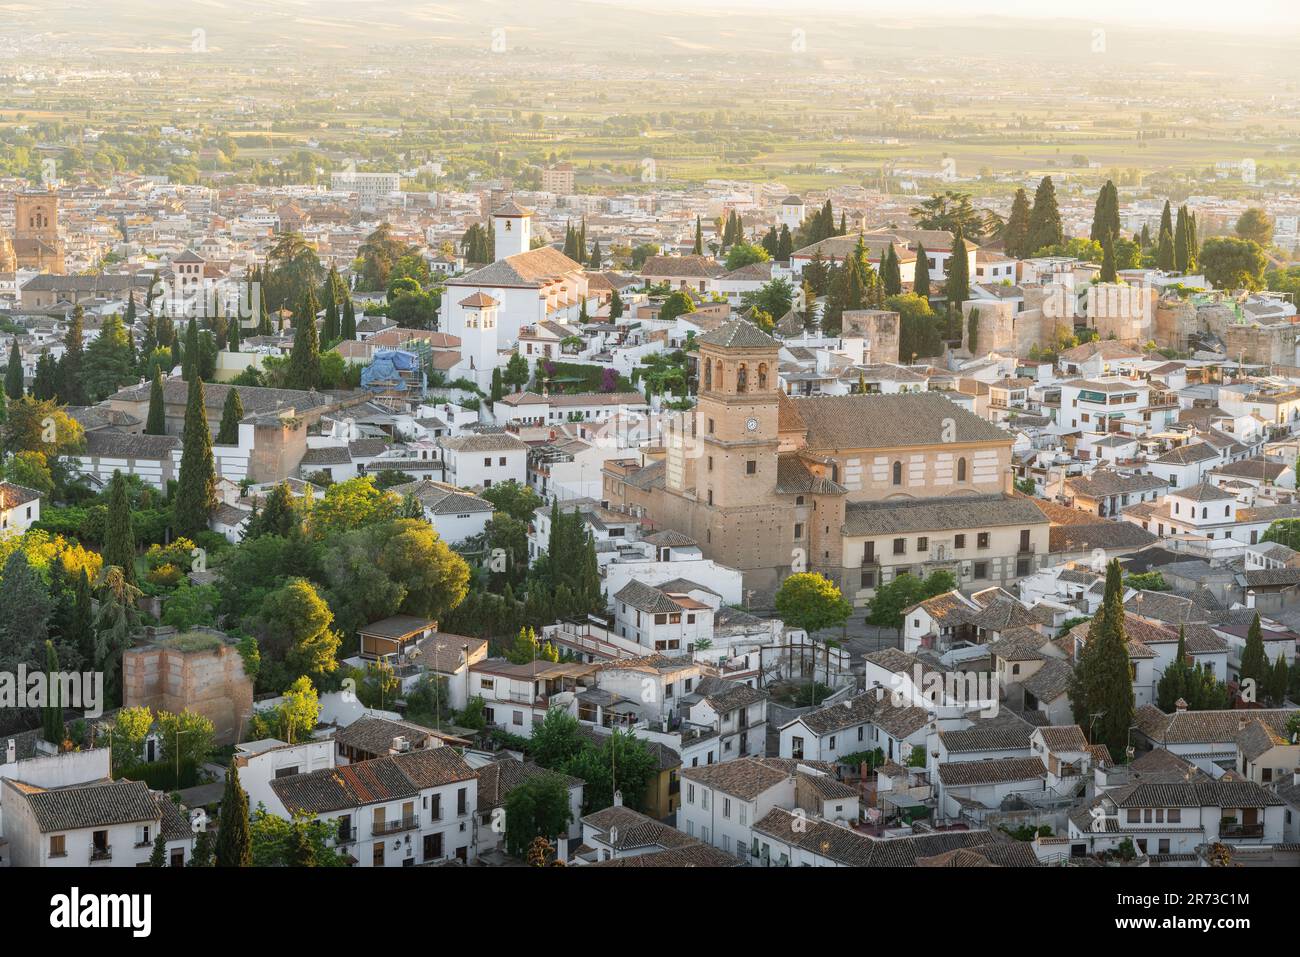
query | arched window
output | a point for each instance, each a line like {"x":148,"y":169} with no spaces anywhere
{"x":961,"y":470}
{"x":708,"y":374}
{"x":741,"y":378}
{"x":762,"y":376}
{"x":1204,"y":512}
{"x":898,"y":473}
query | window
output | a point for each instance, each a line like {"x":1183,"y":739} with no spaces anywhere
{"x":1022,"y":567}
{"x":710,"y":496}
{"x":710,"y":426}
{"x":981,"y":570}
{"x":961,"y":470}
{"x":798,"y":531}
{"x":831,"y":745}
{"x":922,"y":544}
{"x":690,"y":794}
{"x":959,"y":541}
{"x":487,"y":684}
{"x":461,"y":794}
{"x":501,"y":460}
{"x":1175,"y":815}
{"x":796,"y":747}
{"x":487,"y":462}
{"x":710,"y":463}
{"x":726,"y":807}
{"x":661,"y":619}
{"x":1133,"y":816}
{"x":898,"y":473}
{"x":900,"y":546}
{"x":982,"y":540}
{"x":58,"y":848}
{"x":518,"y":719}
{"x":751,"y":467}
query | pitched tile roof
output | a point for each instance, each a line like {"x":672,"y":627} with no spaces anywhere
{"x":885,"y":421}
{"x":939,"y":514}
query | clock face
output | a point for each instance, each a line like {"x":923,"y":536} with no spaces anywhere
{"x":751,"y":424}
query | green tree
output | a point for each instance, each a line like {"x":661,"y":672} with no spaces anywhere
{"x":921,"y":278}
{"x":1015,"y":234}
{"x":14,"y":372}
{"x":119,"y":536}
{"x":1045,"y":218}
{"x":156,"y":423}
{"x":812,"y":602}
{"x":295,"y":634}
{"x":539,"y":807}
{"x":677,"y":304}
{"x":109,"y":361}
{"x":1256,"y":226}
{"x":72,"y":387}
{"x":231,"y":415}
{"x":1254,"y":659}
{"x":234,"y":842}
{"x":1102,"y":693}
{"x":158,"y":856}
{"x":1230,"y":263}
{"x":196,"y":486}
{"x":52,"y":728}
{"x":303,"y":371}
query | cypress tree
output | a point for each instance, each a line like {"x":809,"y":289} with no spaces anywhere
{"x":1015,"y":235}
{"x":130,"y":309}
{"x":234,"y":840}
{"x":71,"y":389}
{"x":190,"y":357}
{"x":119,"y":536}
{"x":45,"y":384}
{"x":81,"y":633}
{"x":235,"y":329}
{"x":1045,"y":218}
{"x":1254,"y":661}
{"x":1108,"y":272}
{"x":1166,"y":219}
{"x":52,"y":728}
{"x":158,"y":856}
{"x":785,"y":244}
{"x":348,"y":329}
{"x":1182,"y":241}
{"x":1193,"y":242}
{"x":1105,"y":216}
{"x":156,"y":424}
{"x":264,"y":327}
{"x":196,"y":487}
{"x":1144,"y":237}
{"x":1165,"y":252}
{"x":921,"y":281}
{"x":329,"y":332}
{"x":1278,"y":681}
{"x":957,"y":287}
{"x":616,"y":310}
{"x":14,"y":372}
{"x":303,"y":371}
{"x":231,"y":414}
{"x":889,"y":272}
{"x":1102,"y":694}
{"x":698,"y":248}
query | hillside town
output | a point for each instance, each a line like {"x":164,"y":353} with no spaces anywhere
{"x":403,"y":517}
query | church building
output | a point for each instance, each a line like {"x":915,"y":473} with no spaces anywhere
{"x":860,"y":488}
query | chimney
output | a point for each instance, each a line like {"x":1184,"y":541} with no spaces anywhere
{"x":1250,"y":598}
{"x":618,"y":799}
{"x":562,"y":848}
{"x":1180,"y":705}
{"x":11,"y":752}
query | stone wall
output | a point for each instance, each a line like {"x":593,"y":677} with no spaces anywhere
{"x":171,"y":675}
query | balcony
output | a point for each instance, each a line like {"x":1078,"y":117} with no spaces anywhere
{"x":381,"y":828}
{"x":1233,"y":831}
{"x":101,"y":852}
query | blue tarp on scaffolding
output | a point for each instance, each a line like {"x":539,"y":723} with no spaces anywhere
{"x":392,"y":370}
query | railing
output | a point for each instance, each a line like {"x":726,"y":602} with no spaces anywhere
{"x":1241,"y":830}
{"x":104,"y":853}
{"x":392,"y":827}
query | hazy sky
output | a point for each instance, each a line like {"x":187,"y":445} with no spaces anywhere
{"x":1242,"y":15}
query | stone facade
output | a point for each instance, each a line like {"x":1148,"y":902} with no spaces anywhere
{"x":879,"y":327}
{"x":201,"y":671}
{"x":36,"y":242}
